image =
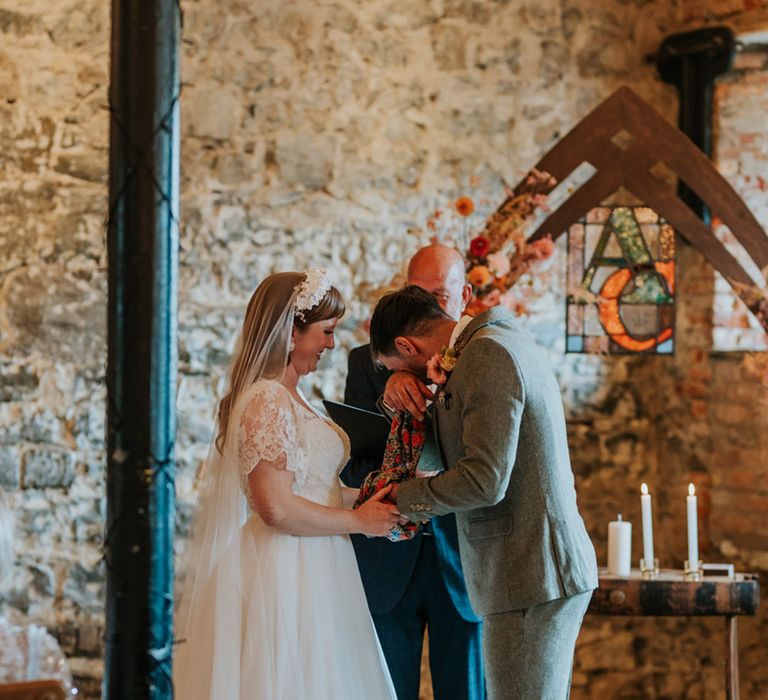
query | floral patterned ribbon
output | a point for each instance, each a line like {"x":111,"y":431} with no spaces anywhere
{"x":404,"y":446}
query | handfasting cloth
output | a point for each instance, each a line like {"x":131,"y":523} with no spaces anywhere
{"x":401,"y":455}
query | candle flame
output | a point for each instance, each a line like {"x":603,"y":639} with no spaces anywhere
{"x":644,"y":489}
{"x":691,"y":490}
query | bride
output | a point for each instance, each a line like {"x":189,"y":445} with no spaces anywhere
{"x":272,"y":605}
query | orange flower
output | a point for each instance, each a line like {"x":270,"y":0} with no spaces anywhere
{"x":519,"y":308}
{"x":465,"y":206}
{"x":480,"y":276}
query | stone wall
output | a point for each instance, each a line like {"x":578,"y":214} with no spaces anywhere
{"x":323,"y":134}
{"x":740,"y":103}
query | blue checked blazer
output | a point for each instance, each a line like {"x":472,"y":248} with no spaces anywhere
{"x":386,"y":567}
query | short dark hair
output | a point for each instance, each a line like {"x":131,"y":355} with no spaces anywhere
{"x":408,"y":311}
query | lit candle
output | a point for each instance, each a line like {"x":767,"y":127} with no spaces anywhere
{"x":693,"y":529}
{"x":645,"y":508}
{"x":619,"y":547}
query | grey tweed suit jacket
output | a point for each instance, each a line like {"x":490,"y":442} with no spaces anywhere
{"x":508,"y":477}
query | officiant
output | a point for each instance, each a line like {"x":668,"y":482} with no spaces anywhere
{"x":418,"y":584}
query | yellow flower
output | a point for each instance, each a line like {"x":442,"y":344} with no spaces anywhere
{"x":448,"y":361}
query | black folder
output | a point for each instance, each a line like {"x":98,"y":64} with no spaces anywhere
{"x":368,"y":432}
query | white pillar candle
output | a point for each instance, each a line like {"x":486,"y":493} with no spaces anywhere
{"x":693,"y":529}
{"x":645,"y":508}
{"x":619,"y":547}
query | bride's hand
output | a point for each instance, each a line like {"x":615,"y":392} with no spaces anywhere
{"x":376,"y":518}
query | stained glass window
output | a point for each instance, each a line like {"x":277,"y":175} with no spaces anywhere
{"x":621,"y":282}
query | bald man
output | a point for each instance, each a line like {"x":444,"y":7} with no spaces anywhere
{"x":416,"y":585}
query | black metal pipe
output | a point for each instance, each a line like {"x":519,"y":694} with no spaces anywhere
{"x":691,"y":61}
{"x":142,"y":243}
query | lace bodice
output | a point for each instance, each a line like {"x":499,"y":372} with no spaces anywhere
{"x":274,"y":427}
{"x":30,"y":653}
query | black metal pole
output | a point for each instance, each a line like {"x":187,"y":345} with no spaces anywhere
{"x":691,"y":61}
{"x":142,"y":244}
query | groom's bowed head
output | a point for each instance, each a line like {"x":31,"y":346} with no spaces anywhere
{"x":408,"y":327}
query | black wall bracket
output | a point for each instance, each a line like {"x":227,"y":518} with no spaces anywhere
{"x":691,"y":61}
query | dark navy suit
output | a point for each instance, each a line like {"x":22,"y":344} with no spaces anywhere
{"x":415,"y":584}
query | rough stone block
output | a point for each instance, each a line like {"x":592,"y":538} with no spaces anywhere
{"x":48,"y":468}
{"x":211,"y":110}
{"x":43,"y":579}
{"x":16,"y":381}
{"x":305,"y":159}
{"x":85,"y":587}
{"x":49,"y":311}
{"x":9,"y":466}
{"x":90,"y":640}
{"x":448,"y":47}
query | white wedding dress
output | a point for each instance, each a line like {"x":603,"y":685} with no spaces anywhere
{"x":306,"y":633}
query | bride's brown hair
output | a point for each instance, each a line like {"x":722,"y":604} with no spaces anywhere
{"x":265,"y":311}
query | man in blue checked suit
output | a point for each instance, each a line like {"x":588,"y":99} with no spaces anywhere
{"x":418,"y":583}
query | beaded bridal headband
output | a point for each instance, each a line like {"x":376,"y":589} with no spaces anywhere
{"x":311,"y":291}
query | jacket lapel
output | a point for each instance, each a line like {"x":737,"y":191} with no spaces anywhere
{"x":487,"y":318}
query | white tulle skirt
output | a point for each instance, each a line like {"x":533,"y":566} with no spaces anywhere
{"x":305,"y":632}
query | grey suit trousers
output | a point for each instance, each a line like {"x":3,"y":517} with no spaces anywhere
{"x":529,"y":653}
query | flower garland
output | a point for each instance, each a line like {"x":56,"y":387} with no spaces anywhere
{"x":500,"y":255}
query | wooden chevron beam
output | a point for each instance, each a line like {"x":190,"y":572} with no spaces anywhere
{"x":653,"y":140}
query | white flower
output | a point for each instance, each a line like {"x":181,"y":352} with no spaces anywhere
{"x":311,"y":291}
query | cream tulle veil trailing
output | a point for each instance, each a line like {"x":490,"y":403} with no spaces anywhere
{"x":213,"y":608}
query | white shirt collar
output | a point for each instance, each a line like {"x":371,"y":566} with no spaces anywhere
{"x":460,"y":326}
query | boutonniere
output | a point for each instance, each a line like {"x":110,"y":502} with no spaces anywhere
{"x":439,"y":368}
{"x":441,"y":364}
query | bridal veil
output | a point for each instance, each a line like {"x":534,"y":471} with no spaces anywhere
{"x":213,"y":606}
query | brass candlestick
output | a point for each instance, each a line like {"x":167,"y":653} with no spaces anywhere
{"x":692,"y":574}
{"x":649,"y":572}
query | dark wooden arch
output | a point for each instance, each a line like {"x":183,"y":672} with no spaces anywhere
{"x":652,"y":140}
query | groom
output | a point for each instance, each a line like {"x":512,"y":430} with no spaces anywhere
{"x":418,"y":583}
{"x":529,"y":564}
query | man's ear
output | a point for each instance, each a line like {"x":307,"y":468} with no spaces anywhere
{"x":405,"y":347}
{"x":466,"y":295}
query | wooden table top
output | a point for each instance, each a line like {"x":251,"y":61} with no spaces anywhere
{"x":671,"y":594}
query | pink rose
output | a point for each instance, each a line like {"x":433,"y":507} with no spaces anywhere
{"x":435,"y":372}
{"x":541,"y":249}
{"x":499,"y":263}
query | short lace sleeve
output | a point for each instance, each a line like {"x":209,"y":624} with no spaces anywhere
{"x":266,"y":430}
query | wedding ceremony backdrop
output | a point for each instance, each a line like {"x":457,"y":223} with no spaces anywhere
{"x":331,"y":134}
